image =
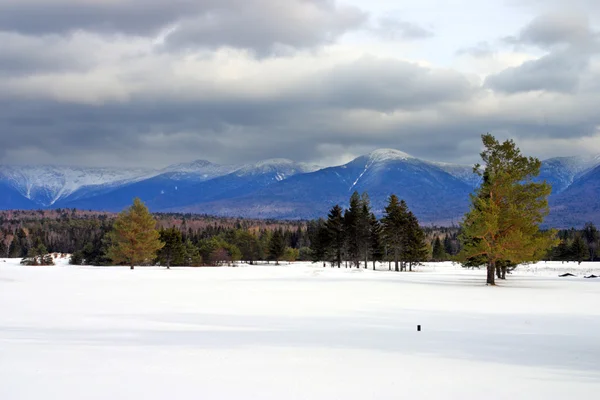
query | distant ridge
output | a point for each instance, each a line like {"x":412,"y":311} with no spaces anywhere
{"x":281,"y":188}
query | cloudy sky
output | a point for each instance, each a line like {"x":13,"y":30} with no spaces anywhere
{"x":155,"y":82}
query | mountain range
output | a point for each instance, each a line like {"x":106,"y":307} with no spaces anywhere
{"x":438,"y":193}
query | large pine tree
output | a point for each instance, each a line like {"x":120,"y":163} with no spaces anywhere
{"x":414,"y":250}
{"x":394,"y":227}
{"x":579,"y":249}
{"x":592,"y":237}
{"x":134,"y":238}
{"x":502,"y":225}
{"x":336,"y":233}
{"x":277,"y":246}
{"x":375,"y":242}
{"x":439,"y":254}
{"x":173,"y":251}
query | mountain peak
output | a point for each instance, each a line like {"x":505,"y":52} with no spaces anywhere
{"x":382,"y":155}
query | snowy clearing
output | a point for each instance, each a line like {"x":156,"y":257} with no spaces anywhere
{"x":297,"y":332}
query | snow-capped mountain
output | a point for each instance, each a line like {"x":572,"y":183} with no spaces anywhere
{"x":45,"y":185}
{"x":279,"y":188}
{"x":186,"y":184}
{"x":280,"y":168}
{"x":432,"y":193}
{"x":562,"y":172}
{"x":199,"y":170}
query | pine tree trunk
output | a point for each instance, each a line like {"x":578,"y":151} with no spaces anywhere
{"x":503,"y":273}
{"x":396,"y":261}
{"x":373,"y":265}
{"x":491,"y":270}
{"x":498,"y":272}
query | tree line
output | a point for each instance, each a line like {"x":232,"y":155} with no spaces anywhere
{"x":355,"y":235}
{"x":500,"y":231}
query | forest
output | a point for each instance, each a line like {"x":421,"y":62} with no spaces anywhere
{"x":210,"y":240}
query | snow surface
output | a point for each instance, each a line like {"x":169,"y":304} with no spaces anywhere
{"x":297,"y":332}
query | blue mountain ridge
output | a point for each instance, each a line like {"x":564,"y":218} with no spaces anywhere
{"x":282,"y":189}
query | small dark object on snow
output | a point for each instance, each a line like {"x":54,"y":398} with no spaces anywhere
{"x":564,"y":275}
{"x":591,"y":276}
{"x":418,"y":328}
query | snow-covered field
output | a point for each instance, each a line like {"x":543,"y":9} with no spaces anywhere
{"x":297,"y":332}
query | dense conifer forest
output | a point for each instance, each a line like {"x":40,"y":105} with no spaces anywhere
{"x":204,"y":240}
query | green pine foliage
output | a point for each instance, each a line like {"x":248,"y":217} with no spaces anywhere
{"x":38,"y":255}
{"x":502,"y":226}
{"x":394,"y":223}
{"x":335,"y":227}
{"x":579,"y":249}
{"x":439,"y":253}
{"x":592,"y":238}
{"x":134,"y":239}
{"x":277,"y":246}
{"x":173,"y":250}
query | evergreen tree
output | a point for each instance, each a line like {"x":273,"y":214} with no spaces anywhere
{"x":579,"y":249}
{"x":134,"y":238}
{"x":592,"y":238}
{"x":319,"y":241}
{"x":336,"y":233}
{"x":394,"y":227}
{"x":277,"y":246}
{"x":77,"y":258}
{"x":414,"y":248}
{"x":19,"y":247}
{"x":3,"y":248}
{"x":438,"y":250}
{"x":248,"y":244}
{"x":38,"y":255}
{"x":364,"y":225}
{"x":173,"y":251}
{"x":290,"y":254}
{"x":507,"y":209}
{"x":192,"y":256}
{"x":353,"y":228}
{"x":376,"y":243}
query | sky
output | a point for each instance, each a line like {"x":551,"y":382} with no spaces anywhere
{"x":147,"y":83}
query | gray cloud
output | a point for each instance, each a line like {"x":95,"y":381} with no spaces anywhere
{"x":90,"y":91}
{"x":571,"y":43}
{"x":264,"y":25}
{"x":481,"y":49}
{"x":560,"y":71}
{"x":26,"y":55}
{"x":549,"y":30}
{"x":259,"y":25}
{"x":394,"y":29}
{"x":127,"y":16}
{"x":386,"y":85}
